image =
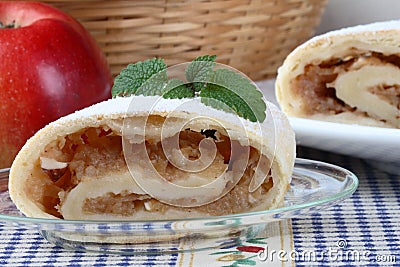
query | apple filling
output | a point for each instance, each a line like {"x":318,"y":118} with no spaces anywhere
{"x":357,"y":83}
{"x":73,"y":167}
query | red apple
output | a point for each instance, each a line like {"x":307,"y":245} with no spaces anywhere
{"x":49,"y":66}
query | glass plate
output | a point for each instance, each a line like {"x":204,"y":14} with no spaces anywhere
{"x":315,"y":186}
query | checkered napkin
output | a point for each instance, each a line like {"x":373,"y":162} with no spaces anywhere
{"x":28,"y":248}
{"x":364,"y":230}
{"x":361,"y":231}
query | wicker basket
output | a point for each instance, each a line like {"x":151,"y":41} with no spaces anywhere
{"x":253,"y":36}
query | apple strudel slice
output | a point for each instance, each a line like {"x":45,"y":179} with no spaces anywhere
{"x":350,"y":75}
{"x":104,"y":163}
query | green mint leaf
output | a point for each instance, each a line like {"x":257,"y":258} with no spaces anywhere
{"x":224,"y":99}
{"x":178,"y":89}
{"x":229,"y":89}
{"x":222,"y":88}
{"x":134,"y":76}
{"x":199,"y":71}
{"x":155,"y":85}
{"x":206,"y":58}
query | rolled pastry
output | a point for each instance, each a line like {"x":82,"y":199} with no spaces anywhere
{"x":80,"y":167}
{"x":350,"y":75}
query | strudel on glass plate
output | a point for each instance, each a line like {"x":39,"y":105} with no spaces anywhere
{"x":76,"y":167}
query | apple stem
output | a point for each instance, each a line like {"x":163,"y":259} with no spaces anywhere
{"x":8,"y":26}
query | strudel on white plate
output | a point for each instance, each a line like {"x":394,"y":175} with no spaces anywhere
{"x":350,"y":75}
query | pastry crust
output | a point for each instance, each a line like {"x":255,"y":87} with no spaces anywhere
{"x":350,"y":75}
{"x":28,"y":178}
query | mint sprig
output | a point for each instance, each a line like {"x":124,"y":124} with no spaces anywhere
{"x":222,"y":89}
{"x":224,"y":99}
{"x":134,"y":76}
{"x":199,"y":71}
{"x":178,"y":89}
{"x":243,"y":96}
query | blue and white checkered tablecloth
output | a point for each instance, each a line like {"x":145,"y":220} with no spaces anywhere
{"x":363,"y":230}
{"x":366,"y":226}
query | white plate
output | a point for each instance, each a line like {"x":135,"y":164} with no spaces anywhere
{"x":380,"y":146}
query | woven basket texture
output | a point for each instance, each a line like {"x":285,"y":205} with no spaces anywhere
{"x":253,"y":36}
